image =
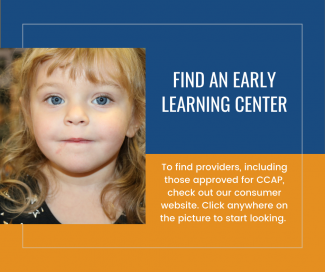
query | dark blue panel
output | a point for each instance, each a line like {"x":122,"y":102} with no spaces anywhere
{"x":204,"y":48}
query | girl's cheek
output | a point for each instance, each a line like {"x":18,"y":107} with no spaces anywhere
{"x":41,"y":126}
{"x":113,"y":132}
{"x":45,"y":128}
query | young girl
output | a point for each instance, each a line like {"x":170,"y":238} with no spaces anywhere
{"x":78,"y":155}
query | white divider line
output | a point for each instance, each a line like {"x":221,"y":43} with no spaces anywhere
{"x":197,"y":24}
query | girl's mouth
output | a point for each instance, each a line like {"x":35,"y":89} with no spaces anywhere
{"x":77,"y":140}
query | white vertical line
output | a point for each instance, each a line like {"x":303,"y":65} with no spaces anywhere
{"x":22,"y":235}
{"x":22,"y":36}
{"x":302,"y":135}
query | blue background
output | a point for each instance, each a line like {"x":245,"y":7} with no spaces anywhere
{"x":202,"y":48}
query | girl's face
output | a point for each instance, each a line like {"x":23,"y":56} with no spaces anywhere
{"x":78,"y":125}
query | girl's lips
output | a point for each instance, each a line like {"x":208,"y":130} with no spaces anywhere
{"x":77,"y":140}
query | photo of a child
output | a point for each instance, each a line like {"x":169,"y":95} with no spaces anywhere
{"x":76,"y":149}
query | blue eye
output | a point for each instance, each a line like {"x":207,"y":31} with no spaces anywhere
{"x":101,"y":100}
{"x":55,"y":100}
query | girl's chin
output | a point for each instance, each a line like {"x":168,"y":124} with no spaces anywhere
{"x":78,"y":169}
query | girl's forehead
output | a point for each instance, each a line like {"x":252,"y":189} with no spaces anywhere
{"x":68,"y":75}
{"x":99,"y":71}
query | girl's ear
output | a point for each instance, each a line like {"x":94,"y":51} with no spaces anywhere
{"x":133,"y":128}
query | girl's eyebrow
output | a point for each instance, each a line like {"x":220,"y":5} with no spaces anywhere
{"x":59,"y":85}
{"x":109,"y":83}
{"x":49,"y":84}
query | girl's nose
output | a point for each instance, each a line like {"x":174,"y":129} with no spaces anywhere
{"x":76,"y":115}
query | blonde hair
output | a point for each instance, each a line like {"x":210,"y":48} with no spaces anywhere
{"x":21,"y":157}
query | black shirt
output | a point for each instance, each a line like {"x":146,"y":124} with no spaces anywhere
{"x":42,"y":215}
